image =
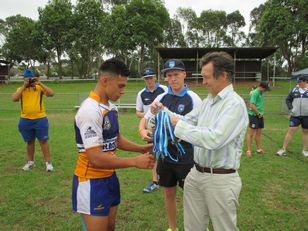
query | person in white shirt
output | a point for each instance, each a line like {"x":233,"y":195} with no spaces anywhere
{"x":216,"y":128}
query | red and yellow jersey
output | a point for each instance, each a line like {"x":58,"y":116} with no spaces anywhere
{"x":32,"y":103}
{"x":96,"y":125}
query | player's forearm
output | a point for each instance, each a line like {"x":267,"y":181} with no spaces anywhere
{"x":106,"y":161}
{"x":127,"y":145}
{"x":140,"y":114}
{"x":17,"y":95}
{"x":254,"y":108}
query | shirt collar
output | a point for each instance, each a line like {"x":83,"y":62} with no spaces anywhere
{"x":148,"y":90}
{"x":181,"y":94}
{"x":95,"y":96}
{"x":222,"y":94}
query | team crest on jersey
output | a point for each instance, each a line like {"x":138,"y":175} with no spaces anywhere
{"x":181,"y":108}
{"x":107,"y":124}
{"x":89,"y":133}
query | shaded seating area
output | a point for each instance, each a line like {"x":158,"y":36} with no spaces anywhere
{"x":248,"y":61}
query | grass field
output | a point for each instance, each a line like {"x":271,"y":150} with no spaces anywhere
{"x":274,"y":194}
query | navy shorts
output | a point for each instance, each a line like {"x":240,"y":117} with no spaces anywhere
{"x":169,"y":175}
{"x":95,"y":196}
{"x":31,"y":129}
{"x":255,"y":122}
{"x":296,"y":121}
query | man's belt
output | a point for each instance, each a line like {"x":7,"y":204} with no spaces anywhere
{"x":214,"y":170}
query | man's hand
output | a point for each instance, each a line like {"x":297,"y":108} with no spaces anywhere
{"x":145,"y":161}
{"x":156,"y":107}
{"x":174,"y":120}
{"x":146,"y":135}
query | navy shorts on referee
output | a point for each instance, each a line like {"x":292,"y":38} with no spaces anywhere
{"x":255,"y":122}
{"x":95,"y":196}
{"x":36,"y":128}
{"x":295,"y":121}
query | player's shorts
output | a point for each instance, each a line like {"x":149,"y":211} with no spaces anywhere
{"x":169,"y":175}
{"x":95,"y":196}
{"x":255,"y":122}
{"x":31,"y":129}
{"x":295,"y":121}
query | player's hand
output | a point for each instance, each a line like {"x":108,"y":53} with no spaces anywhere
{"x":146,"y":135}
{"x":260,"y":116}
{"x":147,"y":148}
{"x":145,"y":161}
{"x":156,"y":107}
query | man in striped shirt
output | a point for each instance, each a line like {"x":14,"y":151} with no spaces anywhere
{"x":216,"y":128}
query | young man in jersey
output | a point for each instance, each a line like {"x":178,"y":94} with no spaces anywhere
{"x":33,"y":121}
{"x":181,"y":100}
{"x":96,"y":192}
{"x":297,"y":103}
{"x":255,"y":113}
{"x":143,"y":101}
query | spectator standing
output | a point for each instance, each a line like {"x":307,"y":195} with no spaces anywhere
{"x":297,"y":103}
{"x":256,"y":119}
{"x":33,"y":121}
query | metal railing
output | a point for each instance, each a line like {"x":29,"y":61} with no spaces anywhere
{"x":71,"y":101}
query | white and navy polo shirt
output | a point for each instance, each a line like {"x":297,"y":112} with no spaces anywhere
{"x":181,"y":104}
{"x":145,"y":97}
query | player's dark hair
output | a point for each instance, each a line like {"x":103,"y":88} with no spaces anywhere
{"x":114,"y":67}
{"x":222,"y":62}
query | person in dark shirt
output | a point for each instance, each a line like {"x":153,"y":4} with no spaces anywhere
{"x":181,"y":100}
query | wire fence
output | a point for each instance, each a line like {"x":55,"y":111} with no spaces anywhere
{"x":273,"y":104}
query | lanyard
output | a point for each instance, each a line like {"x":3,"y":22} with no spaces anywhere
{"x":164,"y":128}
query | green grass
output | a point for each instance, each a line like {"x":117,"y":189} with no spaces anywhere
{"x":274,"y":194}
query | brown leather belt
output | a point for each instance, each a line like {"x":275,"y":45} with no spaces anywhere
{"x":214,"y":170}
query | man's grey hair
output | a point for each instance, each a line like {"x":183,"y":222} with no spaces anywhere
{"x":222,"y":62}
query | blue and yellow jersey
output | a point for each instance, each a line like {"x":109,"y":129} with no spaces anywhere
{"x":32,"y":103}
{"x":96,"y":125}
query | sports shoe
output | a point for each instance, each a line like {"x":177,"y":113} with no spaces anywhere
{"x":49,"y":166}
{"x":260,"y":151}
{"x":28,"y":165}
{"x":150,"y":188}
{"x":282,"y":152}
{"x":305,"y":153}
{"x":248,"y":153}
{"x":171,"y":229}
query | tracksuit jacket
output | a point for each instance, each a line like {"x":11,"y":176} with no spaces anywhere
{"x":297,"y":103}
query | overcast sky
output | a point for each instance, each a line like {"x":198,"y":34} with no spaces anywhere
{"x":28,"y":8}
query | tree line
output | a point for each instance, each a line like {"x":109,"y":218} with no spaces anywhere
{"x":79,"y":36}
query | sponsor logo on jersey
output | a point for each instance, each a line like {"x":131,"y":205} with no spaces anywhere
{"x":146,"y":99}
{"x":110,"y":144}
{"x":181,"y":108}
{"x":89,"y":133}
{"x":107,"y":124}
